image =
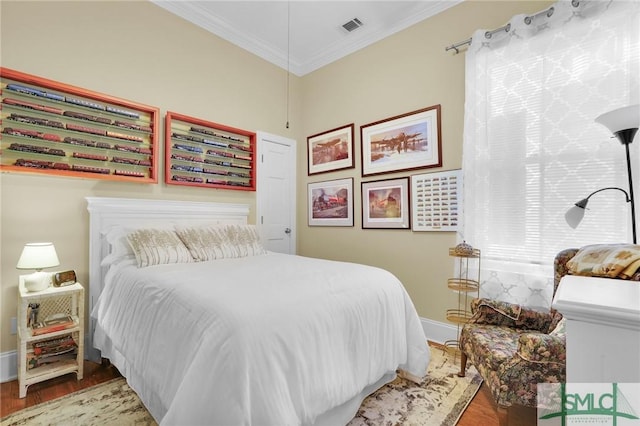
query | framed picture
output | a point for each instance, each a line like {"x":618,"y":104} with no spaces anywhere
{"x":435,"y":201}
{"x":331,"y":203}
{"x":385,"y":204}
{"x":331,"y":150}
{"x":404,"y":142}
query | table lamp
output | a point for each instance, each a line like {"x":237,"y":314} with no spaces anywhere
{"x":37,"y":256}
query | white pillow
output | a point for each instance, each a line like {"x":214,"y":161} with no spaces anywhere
{"x":119,"y":247}
{"x":157,"y":247}
{"x":221,"y":241}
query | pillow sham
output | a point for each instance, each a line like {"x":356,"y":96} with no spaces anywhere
{"x":119,"y":247}
{"x":157,"y":247}
{"x":221,"y":241}
{"x":246,"y":239}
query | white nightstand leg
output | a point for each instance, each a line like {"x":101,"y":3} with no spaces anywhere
{"x":22,"y":368}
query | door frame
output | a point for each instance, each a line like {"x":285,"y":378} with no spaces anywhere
{"x":262,"y":138}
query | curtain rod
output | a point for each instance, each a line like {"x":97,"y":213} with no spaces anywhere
{"x":527,"y":20}
{"x":488,"y":34}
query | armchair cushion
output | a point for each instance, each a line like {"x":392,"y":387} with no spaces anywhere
{"x":504,"y":314}
{"x":492,"y":344}
{"x":513,"y":361}
{"x":542,"y":348}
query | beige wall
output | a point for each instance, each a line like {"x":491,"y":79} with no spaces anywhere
{"x":402,"y":73}
{"x":137,"y":51}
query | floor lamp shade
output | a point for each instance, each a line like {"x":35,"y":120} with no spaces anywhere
{"x":37,"y":256}
{"x":622,"y":122}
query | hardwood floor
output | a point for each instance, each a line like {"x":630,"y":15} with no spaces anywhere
{"x":45,"y":391}
{"x":481,"y":410}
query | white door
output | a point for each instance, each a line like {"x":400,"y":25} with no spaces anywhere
{"x":276,"y":192}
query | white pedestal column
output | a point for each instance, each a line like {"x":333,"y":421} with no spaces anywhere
{"x":603,"y":329}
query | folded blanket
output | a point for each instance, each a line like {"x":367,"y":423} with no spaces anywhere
{"x":606,"y":260}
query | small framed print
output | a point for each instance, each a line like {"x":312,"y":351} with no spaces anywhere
{"x":404,"y":142}
{"x":385,"y":204}
{"x":331,"y":150}
{"x":331,"y":203}
{"x":435,"y":201}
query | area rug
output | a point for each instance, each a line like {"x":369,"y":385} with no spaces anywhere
{"x":439,"y":400}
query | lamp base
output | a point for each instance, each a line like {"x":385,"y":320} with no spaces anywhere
{"x":37,"y":281}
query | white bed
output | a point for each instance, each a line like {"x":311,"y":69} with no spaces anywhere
{"x":263,"y":339}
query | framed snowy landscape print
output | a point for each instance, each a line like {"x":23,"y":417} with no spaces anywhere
{"x":404,"y":142}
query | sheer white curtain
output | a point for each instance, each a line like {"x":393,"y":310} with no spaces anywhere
{"x":531,"y":146}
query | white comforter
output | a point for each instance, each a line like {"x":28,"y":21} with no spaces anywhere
{"x":263,"y":340}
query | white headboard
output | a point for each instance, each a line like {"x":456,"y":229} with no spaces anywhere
{"x":105,"y":213}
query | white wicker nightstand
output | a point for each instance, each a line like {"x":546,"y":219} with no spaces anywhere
{"x":54,"y":300}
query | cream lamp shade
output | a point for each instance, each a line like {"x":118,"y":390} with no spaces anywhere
{"x":623,"y":123}
{"x":37,"y":256}
{"x":620,"y":120}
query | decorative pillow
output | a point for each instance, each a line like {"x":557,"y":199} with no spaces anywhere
{"x":605,"y":260}
{"x":631,"y":272}
{"x":509,"y":310}
{"x":246,"y":239}
{"x":221,"y":241}
{"x":157,"y":247}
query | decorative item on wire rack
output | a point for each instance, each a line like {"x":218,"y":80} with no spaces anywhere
{"x":466,"y":283}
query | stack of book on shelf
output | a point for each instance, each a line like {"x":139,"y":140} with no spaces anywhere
{"x":51,"y":350}
{"x":56,"y":323}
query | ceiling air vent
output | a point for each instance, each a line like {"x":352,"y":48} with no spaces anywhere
{"x":353,"y":24}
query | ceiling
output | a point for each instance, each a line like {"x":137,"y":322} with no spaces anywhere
{"x":315,"y":36}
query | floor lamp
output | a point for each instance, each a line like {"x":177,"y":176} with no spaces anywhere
{"x":623,"y":123}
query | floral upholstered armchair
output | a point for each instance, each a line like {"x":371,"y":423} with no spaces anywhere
{"x":515,"y":348}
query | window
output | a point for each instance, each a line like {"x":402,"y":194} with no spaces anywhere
{"x":531,"y":145}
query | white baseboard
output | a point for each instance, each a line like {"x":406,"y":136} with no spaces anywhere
{"x":8,"y":366}
{"x":438,"y":332}
{"x":435,"y":331}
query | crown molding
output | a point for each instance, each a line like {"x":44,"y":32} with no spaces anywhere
{"x":365,"y":36}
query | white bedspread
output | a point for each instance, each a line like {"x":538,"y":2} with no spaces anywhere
{"x":263,"y":340}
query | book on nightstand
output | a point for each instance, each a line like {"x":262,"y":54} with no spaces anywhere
{"x":50,"y":325}
{"x":51,"y":350}
{"x":34,"y":361}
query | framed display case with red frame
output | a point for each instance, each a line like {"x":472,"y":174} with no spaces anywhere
{"x":55,"y":128}
{"x":206,"y":154}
